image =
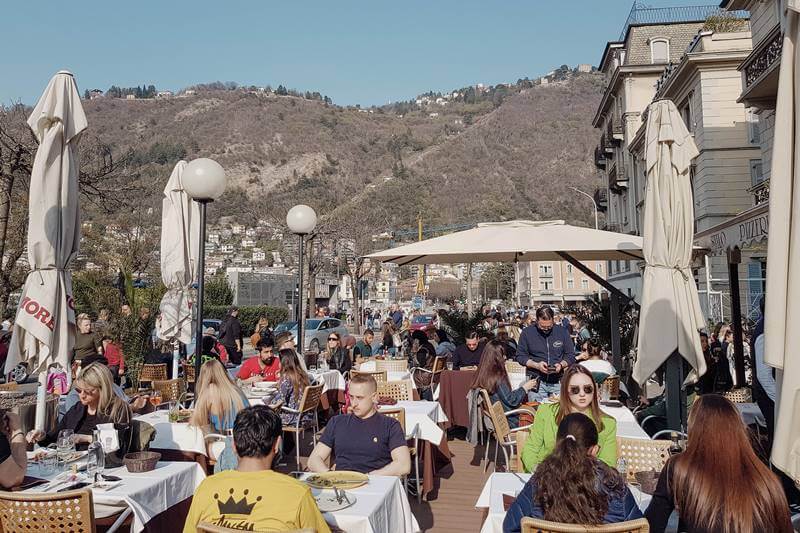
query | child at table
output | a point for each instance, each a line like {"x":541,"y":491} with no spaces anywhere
{"x":592,"y":494}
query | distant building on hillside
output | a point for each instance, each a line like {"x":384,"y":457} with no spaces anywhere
{"x":584,"y":67}
{"x":130,"y":97}
{"x":164,"y":94}
{"x":94,"y":94}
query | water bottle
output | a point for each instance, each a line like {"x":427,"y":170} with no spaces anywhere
{"x":96,"y":456}
{"x":622,"y":467}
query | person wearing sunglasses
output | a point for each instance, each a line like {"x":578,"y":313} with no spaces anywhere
{"x":578,"y":395}
{"x":337,"y":356}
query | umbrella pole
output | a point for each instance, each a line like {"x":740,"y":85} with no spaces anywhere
{"x":176,"y":356}
{"x":734,"y":258}
{"x":674,"y":393}
{"x":616,"y":344}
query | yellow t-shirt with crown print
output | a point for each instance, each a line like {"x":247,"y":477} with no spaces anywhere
{"x":254,"y":501}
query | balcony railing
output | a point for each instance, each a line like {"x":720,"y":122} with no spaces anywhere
{"x":763,"y":58}
{"x":641,"y":15}
{"x":607,"y":145}
{"x":601,"y":198}
{"x":599,"y":158}
{"x":760,"y":192}
{"x":614,"y":131}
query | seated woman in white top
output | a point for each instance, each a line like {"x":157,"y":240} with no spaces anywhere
{"x":599,"y":367}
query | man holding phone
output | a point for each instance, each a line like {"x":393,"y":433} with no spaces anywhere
{"x":546,"y":350}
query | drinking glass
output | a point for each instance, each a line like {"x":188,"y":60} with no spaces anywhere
{"x":65,"y":445}
{"x":155,"y":398}
{"x":48,"y":464}
{"x":449,"y":365}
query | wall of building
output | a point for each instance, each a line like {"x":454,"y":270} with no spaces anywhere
{"x":679,"y":36}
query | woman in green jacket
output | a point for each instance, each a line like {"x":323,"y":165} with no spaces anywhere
{"x":578,"y":395}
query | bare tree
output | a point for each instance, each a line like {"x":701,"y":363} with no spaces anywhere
{"x":104,"y":181}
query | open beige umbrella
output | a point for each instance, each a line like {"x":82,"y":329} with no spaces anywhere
{"x":670,"y":317}
{"x":44,"y":328}
{"x":782,"y":307}
{"x":180,"y":241}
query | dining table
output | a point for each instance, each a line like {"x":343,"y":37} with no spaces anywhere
{"x":452,"y":391}
{"x":144,"y":496}
{"x":379,"y":506}
{"x":424,"y":420}
{"x":491,"y":499}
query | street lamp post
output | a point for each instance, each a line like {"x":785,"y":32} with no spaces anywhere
{"x":301,"y":220}
{"x":204,"y":181}
{"x":594,"y":203}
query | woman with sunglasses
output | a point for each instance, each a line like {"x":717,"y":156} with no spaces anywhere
{"x":337,"y":356}
{"x":97,"y":405}
{"x":578,"y":395}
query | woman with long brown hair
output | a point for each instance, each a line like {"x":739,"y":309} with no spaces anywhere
{"x":578,"y":395}
{"x":571,"y":485}
{"x":493,"y":377}
{"x":293,"y":382}
{"x":718,"y":484}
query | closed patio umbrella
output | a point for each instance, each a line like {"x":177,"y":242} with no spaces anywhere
{"x":180,"y":240}
{"x":670,"y":308}
{"x":782,"y":308}
{"x":44,"y":328}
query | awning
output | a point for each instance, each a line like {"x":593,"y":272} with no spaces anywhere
{"x":743,"y":230}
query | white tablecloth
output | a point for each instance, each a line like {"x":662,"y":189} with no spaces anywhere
{"x":751,"y":414}
{"x":174,"y":436}
{"x":627,"y":426}
{"x":381,"y":506}
{"x":331,"y":379}
{"x":422,"y":419}
{"x":500,"y":483}
{"x":147,"y":494}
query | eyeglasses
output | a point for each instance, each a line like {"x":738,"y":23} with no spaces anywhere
{"x":575,"y":389}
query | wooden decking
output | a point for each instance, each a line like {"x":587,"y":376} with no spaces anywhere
{"x":452,"y":504}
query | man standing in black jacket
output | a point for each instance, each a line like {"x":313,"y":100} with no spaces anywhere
{"x":545,"y":349}
{"x":231,"y":336}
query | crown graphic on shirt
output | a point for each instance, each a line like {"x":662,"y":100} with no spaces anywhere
{"x":231,"y":506}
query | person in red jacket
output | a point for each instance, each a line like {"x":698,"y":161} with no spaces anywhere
{"x":116,"y":360}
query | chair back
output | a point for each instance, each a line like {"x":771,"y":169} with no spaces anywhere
{"x":157,"y":372}
{"x":10,"y":386}
{"x":398,"y":413}
{"x":205,"y":527}
{"x":391,"y":365}
{"x":189,"y":373}
{"x":438,"y":364}
{"x":743,"y":395}
{"x":310,"y":399}
{"x":535,"y":525}
{"x":612,"y":384}
{"x":521,"y":437}
{"x":59,"y":512}
{"x":379,"y":375}
{"x":512,"y":367}
{"x":401,"y":391}
{"x":501,"y":428}
{"x":171,"y":389}
{"x":642,"y":455}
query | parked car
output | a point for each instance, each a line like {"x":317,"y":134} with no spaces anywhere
{"x":422,"y":322}
{"x":316,"y":331}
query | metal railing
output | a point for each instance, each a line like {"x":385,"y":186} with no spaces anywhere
{"x":642,"y":15}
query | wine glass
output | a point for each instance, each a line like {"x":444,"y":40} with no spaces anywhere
{"x":65,"y":445}
{"x":155,"y":398}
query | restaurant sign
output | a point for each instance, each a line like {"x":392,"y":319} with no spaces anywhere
{"x":740,"y":231}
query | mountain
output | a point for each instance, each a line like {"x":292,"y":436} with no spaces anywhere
{"x":510,"y":153}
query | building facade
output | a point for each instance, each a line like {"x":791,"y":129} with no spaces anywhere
{"x":651,"y":39}
{"x":555,"y":282}
{"x":705,"y":85}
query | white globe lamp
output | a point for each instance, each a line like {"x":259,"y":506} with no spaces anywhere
{"x":204,"y":180}
{"x":301,"y":219}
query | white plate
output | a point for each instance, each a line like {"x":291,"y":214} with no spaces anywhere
{"x":326,"y":501}
{"x":106,"y":485}
{"x":265,"y":385}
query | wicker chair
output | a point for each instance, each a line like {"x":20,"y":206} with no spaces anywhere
{"x":512,"y":367}
{"x":379,"y":375}
{"x":743,"y":395}
{"x":427,"y":379}
{"x":534,"y":525}
{"x":503,"y":434}
{"x":642,"y":455}
{"x":151,"y":373}
{"x":612,"y":383}
{"x":60,"y":512}
{"x":171,"y":390}
{"x":205,"y":527}
{"x":309,"y":402}
{"x":399,"y":414}
{"x":10,"y":386}
{"x":401,"y":391}
{"x":521,"y":438}
{"x":392,"y":365}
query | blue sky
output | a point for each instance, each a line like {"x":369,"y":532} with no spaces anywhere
{"x":366,"y":52}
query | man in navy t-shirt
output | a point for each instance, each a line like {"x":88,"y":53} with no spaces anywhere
{"x":364,"y":441}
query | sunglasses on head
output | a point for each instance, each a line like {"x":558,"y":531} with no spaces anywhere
{"x":587,"y":389}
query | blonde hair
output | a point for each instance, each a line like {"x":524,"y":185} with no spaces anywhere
{"x":98,"y":376}
{"x":216,"y":395}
